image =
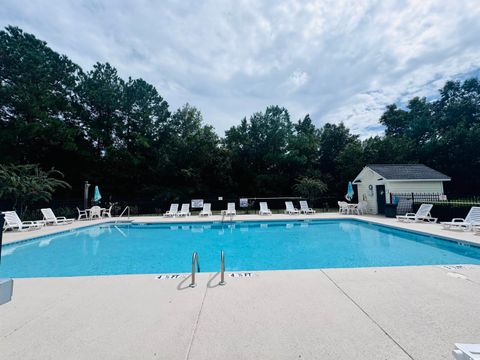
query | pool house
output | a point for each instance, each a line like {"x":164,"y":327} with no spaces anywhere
{"x":377,"y":183}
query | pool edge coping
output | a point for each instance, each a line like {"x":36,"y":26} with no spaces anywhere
{"x":179,"y":223}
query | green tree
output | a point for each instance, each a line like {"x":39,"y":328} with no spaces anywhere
{"x":304,"y":147}
{"x":333,"y":140}
{"x":259,"y":152}
{"x":195,"y":162}
{"x":139,"y":141}
{"x":39,"y":121}
{"x":395,"y":121}
{"x":37,"y":85}
{"x":309,"y":187}
{"x":26,"y":185}
{"x":144,"y":114}
{"x":101,"y":92}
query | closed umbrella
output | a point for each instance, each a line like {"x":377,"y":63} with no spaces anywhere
{"x":350,"y":192}
{"x":2,"y":219}
{"x":96,"y":196}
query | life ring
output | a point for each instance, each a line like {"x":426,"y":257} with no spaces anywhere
{"x":370,"y":190}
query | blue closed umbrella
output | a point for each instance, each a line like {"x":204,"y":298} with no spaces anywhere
{"x":350,"y":192}
{"x":96,"y":195}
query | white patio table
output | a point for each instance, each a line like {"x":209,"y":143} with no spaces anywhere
{"x":352,"y":208}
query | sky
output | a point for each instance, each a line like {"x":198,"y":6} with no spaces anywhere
{"x":339,"y":61}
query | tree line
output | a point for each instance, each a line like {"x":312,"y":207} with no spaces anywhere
{"x":121,"y":134}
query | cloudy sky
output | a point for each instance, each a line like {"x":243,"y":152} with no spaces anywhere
{"x":336,"y":60}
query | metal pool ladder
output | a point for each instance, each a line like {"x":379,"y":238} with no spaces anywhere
{"x":196,"y":268}
{"x":127,"y":209}
{"x":194,"y":262}
{"x":223,"y":217}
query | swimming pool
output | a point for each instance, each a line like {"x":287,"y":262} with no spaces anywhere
{"x":108,"y":249}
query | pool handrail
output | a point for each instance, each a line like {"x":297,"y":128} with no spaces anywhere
{"x":127,"y":208}
{"x":222,"y":269}
{"x":194,"y":262}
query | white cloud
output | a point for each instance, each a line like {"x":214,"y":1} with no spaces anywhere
{"x":338,"y":60}
{"x":296,"y":80}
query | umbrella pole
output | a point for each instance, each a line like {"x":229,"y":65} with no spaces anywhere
{"x":85,"y":194}
{"x":2,"y":220}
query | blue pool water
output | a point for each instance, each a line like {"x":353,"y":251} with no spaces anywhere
{"x":167,"y":248}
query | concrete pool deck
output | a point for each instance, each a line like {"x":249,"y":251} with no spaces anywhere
{"x":363,"y":313}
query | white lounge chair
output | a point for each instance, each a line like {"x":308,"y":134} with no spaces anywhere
{"x":230,"y":209}
{"x":51,"y":219}
{"x":466,"y":351}
{"x":264,"y":210}
{"x":13,"y":222}
{"x":185,"y":210}
{"x":466,"y":223}
{"x":207,"y":210}
{"x":422,"y":214}
{"x":172,"y":212}
{"x":305,"y":209}
{"x":82,"y":214}
{"x":290,"y":209}
{"x":342,"y":207}
{"x":476,"y":228}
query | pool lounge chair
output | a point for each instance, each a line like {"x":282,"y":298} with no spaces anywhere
{"x":264,"y":210}
{"x":422,"y":214}
{"x":185,"y":210}
{"x":51,"y":219}
{"x":13,"y":222}
{"x":290,"y":209}
{"x":476,"y":228}
{"x":466,"y":223}
{"x":230,"y":209}
{"x":172,"y":212}
{"x":207,"y":210}
{"x":305,"y":209}
{"x":466,"y":351}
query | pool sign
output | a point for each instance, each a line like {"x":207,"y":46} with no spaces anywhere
{"x":242,"y":275}
{"x":197,"y":203}
{"x":243,"y":202}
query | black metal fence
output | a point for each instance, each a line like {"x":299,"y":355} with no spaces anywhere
{"x":405,"y":201}
{"x":444,"y":208}
{"x":148,"y":206}
{"x":276,"y":204}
